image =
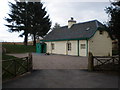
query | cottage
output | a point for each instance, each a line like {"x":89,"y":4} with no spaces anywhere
{"x":79,"y":39}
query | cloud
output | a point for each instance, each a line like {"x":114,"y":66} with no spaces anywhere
{"x":11,"y":37}
{"x":60,"y":12}
{"x":58,"y":1}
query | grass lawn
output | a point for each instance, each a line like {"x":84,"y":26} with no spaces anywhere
{"x":18,"y":48}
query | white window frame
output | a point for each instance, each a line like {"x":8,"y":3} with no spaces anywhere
{"x":101,"y":32}
{"x":69,"y":46}
{"x":83,"y":46}
{"x":52,"y":46}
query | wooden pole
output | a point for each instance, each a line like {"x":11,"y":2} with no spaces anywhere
{"x":27,"y":60}
{"x":15,"y":68}
{"x":30,"y":61}
{"x":90,"y":62}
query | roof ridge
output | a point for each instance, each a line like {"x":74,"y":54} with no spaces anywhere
{"x":95,"y":20}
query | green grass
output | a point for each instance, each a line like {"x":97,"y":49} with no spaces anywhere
{"x":19,"y":48}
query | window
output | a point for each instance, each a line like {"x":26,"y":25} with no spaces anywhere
{"x":52,"y":46}
{"x":69,"y":46}
{"x":82,"y":46}
{"x":101,"y":32}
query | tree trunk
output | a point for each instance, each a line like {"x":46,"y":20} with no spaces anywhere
{"x":34,"y":40}
{"x":26,"y":39}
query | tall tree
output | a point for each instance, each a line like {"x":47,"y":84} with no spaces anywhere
{"x":29,"y":17}
{"x":18,"y":19}
{"x":114,"y":23}
{"x":40,"y":21}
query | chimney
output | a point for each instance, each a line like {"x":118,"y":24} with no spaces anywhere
{"x":71,"y":22}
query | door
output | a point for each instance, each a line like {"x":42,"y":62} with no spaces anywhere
{"x":38,"y":48}
{"x":43,"y":48}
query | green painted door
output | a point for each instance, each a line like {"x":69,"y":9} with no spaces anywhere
{"x":43,"y":48}
{"x":38,"y":48}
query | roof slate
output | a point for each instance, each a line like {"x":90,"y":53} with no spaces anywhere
{"x":77,"y":31}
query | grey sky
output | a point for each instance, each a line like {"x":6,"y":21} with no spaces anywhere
{"x":81,"y":11}
{"x":59,"y":11}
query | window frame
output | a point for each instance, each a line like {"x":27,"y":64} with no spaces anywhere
{"x":83,"y":46}
{"x":52,"y":46}
{"x":69,"y":46}
{"x":101,"y":32}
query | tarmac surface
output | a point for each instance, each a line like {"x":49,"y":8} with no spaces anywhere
{"x":64,"y":79}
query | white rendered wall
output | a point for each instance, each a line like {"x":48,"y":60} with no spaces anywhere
{"x":101,"y":45}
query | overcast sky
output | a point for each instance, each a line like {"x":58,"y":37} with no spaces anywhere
{"x":60,"y":11}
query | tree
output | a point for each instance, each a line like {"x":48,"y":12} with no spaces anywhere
{"x":18,"y":19}
{"x":114,"y":23}
{"x":56,"y":26}
{"x":40,"y":21}
{"x":29,"y":17}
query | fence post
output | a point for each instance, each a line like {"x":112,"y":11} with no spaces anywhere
{"x":27,"y":60}
{"x":113,"y":60}
{"x":30,"y":61}
{"x":15,"y":68}
{"x":90,"y":62}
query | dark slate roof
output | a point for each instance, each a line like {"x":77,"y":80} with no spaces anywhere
{"x":77,"y":31}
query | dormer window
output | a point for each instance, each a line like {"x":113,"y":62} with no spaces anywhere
{"x":101,"y":32}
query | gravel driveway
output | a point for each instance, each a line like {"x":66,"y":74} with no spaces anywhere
{"x":42,"y":61}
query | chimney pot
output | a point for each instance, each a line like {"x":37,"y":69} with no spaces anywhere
{"x":71,"y":22}
{"x":71,"y":18}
